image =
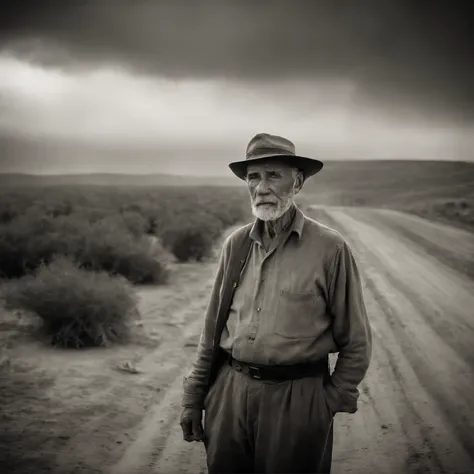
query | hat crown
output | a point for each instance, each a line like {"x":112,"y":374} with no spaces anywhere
{"x":265,"y":143}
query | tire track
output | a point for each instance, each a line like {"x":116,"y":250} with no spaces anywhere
{"x":451,"y":246}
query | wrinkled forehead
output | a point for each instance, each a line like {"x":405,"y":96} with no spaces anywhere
{"x":268,"y":165}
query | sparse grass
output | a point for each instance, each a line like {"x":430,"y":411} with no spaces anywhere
{"x":112,"y":248}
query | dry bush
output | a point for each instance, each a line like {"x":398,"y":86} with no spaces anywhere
{"x":79,"y":308}
{"x":191,"y":236}
{"x":114,"y":249}
{"x":189,"y":242}
{"x":228,"y":205}
{"x":136,"y":224}
{"x":23,"y":244}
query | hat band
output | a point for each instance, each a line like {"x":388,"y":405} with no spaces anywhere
{"x":268,"y":151}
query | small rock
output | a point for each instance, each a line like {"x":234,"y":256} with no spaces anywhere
{"x":127,"y":367}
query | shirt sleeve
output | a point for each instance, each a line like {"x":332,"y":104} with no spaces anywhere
{"x":351,"y":331}
{"x":196,"y":383}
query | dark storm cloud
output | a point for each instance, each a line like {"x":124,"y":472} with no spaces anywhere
{"x":414,"y":51}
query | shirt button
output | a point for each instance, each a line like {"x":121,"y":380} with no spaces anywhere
{"x":258,"y":309}
{"x":235,"y":285}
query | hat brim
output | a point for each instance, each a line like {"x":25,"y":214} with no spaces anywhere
{"x":309,"y":166}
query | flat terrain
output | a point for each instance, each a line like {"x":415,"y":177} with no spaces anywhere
{"x":70,"y":412}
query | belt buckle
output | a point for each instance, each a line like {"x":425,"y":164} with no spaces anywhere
{"x":254,"y":372}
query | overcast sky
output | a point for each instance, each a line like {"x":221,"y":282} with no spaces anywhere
{"x":181,"y":86}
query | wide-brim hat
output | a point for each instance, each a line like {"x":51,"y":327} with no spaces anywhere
{"x":264,"y":146}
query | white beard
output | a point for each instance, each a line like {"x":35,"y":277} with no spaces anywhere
{"x":272,"y":213}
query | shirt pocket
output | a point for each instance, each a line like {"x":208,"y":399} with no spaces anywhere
{"x":297,"y":314}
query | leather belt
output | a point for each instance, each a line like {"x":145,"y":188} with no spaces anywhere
{"x":276,"y":372}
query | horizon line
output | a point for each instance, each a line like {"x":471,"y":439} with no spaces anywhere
{"x":157,"y":173}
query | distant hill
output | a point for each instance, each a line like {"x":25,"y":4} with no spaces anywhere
{"x":9,"y":180}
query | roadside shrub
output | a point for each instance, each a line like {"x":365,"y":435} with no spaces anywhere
{"x":30,"y":240}
{"x":114,"y":249}
{"x":191,"y":236}
{"x":227,"y":216}
{"x":12,"y":205}
{"x":136,"y":224}
{"x":7,"y":214}
{"x":79,"y":308}
{"x":19,"y":242}
{"x":189,"y":243}
{"x":229,"y":208}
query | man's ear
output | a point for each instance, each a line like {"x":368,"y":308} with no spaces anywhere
{"x":298,"y":184}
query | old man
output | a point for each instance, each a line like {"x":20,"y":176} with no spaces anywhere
{"x":287,"y":293}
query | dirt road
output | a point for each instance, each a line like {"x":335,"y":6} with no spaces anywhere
{"x":416,"y":407}
{"x":73,"y":413}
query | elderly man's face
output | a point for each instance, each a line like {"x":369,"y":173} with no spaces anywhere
{"x":272,"y":186}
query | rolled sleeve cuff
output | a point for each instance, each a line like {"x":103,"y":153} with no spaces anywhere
{"x":192,"y":401}
{"x":192,"y":396}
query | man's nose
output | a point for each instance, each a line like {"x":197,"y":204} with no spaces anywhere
{"x":262,"y":187}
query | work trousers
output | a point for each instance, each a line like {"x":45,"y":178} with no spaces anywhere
{"x":255,"y":426}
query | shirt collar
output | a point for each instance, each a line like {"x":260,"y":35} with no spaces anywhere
{"x":296,"y":225}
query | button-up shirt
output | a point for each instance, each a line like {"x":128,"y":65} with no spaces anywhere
{"x":296,"y":303}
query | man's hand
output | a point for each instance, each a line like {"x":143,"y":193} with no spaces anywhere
{"x":191,"y":424}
